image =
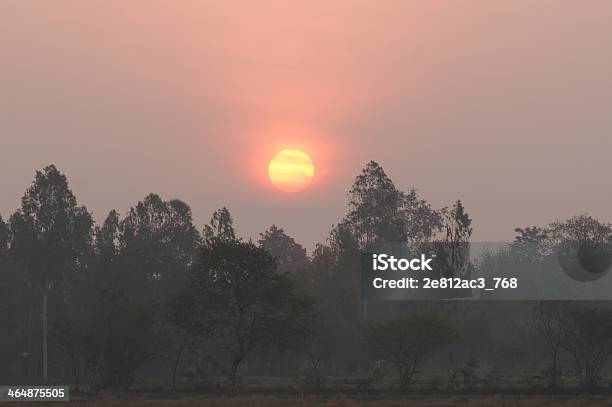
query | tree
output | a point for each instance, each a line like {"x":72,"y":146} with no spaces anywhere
{"x":4,"y":239}
{"x":452,"y":256}
{"x":405,"y":342}
{"x":345,"y":279}
{"x":531,"y":244}
{"x":157,"y":244}
{"x":221,"y":227}
{"x":317,"y":342}
{"x":549,"y":319}
{"x":124,"y":336}
{"x":248,"y":303}
{"x":73,"y":338}
{"x":108,"y":240}
{"x":582,"y":246}
{"x":458,"y":224}
{"x":52,"y":239}
{"x":322,"y":261}
{"x":374,"y":206}
{"x":580,"y":228}
{"x":146,"y":257}
{"x":76,"y":328}
{"x":379,"y":212}
{"x":7,"y":275}
{"x":187,"y":312}
{"x":530,"y":234}
{"x":190,"y":315}
{"x":17,"y":301}
{"x":334,"y":339}
{"x":588,"y":337}
{"x":290,"y":256}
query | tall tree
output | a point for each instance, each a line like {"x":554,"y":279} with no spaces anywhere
{"x":124,"y":336}
{"x":378,"y":211}
{"x":157,"y":244}
{"x":16,"y":301}
{"x":452,"y":258}
{"x":6,"y":275}
{"x":290,"y":256}
{"x":221,"y":227}
{"x":345,"y":278}
{"x":458,"y":224}
{"x":108,"y":239}
{"x":375,"y":207}
{"x":186,"y":312}
{"x":52,"y":239}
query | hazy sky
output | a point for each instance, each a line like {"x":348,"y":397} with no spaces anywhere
{"x":504,"y":104}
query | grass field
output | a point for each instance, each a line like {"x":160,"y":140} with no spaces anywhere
{"x":334,"y":401}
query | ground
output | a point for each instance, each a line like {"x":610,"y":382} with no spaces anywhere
{"x":331,"y":401}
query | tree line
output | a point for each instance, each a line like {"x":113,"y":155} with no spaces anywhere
{"x":148,"y":295}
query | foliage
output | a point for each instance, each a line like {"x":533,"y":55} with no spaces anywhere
{"x":145,"y":289}
{"x":5,"y":238}
{"x":587,"y":335}
{"x":246,"y":301}
{"x":157,"y":241}
{"x":549,"y":319}
{"x":453,"y":250}
{"x":51,"y":233}
{"x":124,"y":336}
{"x":290,"y":256}
{"x":221,"y":227}
{"x":379,"y":212}
{"x":52,"y":239}
{"x":406,"y":341}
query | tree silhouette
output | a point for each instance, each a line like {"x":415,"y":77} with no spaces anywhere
{"x":7,"y":276}
{"x":108,"y":240}
{"x":587,"y":335}
{"x":52,"y":238}
{"x":124,"y":335}
{"x":345,"y":278}
{"x":581,"y":245}
{"x":157,"y":242}
{"x":375,"y":206}
{"x":190,"y":314}
{"x":290,"y":256}
{"x":549,"y":319}
{"x":221,"y":227}
{"x":247,"y":301}
{"x":4,"y":239}
{"x":531,"y":243}
{"x":452,"y":256}
{"x":380,"y":212}
{"x":406,"y":341}
{"x":530,"y":234}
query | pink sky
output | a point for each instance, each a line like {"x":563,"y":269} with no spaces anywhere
{"x":504,"y":104}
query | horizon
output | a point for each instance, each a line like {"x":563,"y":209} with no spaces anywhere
{"x":306,"y":203}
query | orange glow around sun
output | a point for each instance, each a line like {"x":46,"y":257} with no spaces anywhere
{"x":291,"y":170}
{"x":262,"y":145}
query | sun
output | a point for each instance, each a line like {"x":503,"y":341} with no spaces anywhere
{"x":291,"y":170}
